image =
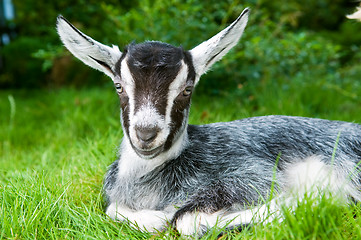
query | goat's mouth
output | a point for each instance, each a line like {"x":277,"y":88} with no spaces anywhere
{"x":145,"y":153}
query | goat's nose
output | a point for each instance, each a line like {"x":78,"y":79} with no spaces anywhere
{"x":146,"y":135}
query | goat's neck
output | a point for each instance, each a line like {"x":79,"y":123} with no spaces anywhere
{"x":130,"y":163}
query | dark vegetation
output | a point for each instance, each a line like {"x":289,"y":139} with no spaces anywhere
{"x":285,"y":41}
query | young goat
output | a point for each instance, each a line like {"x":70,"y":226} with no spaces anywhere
{"x":196,"y":177}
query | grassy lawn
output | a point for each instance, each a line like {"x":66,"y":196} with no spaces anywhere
{"x":55,"y":146}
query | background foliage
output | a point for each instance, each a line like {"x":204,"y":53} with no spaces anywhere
{"x":284,"y":40}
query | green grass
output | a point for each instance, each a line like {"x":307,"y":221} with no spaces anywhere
{"x":55,"y":147}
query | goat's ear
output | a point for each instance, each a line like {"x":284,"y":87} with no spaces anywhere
{"x":89,"y":51}
{"x":207,"y":53}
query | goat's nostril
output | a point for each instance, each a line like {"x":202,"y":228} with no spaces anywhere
{"x":146,"y":135}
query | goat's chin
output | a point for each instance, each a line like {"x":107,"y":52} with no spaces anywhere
{"x":148,"y":154}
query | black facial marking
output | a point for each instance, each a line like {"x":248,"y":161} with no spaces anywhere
{"x":153,"y":65}
{"x":124,"y":103}
{"x":191,"y":71}
{"x":181,"y":104}
{"x":178,"y":115}
{"x":123,"y":97}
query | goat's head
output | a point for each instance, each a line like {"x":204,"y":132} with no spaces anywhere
{"x":154,"y":80}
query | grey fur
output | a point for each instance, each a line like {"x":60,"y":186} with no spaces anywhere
{"x":239,"y":156}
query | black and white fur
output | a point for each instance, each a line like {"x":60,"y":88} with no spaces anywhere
{"x":196,"y":177}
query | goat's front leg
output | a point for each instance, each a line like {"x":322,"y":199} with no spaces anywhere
{"x":146,"y":220}
{"x":189,"y":221}
{"x":197,"y":223}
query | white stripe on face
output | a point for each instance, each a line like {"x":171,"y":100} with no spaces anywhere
{"x":127,"y":83}
{"x":174,"y":89}
{"x":125,"y":73}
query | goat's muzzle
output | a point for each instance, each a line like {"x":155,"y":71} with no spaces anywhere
{"x":146,"y":137}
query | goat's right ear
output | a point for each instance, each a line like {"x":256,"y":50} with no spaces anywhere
{"x":208,"y":52}
{"x":89,"y":51}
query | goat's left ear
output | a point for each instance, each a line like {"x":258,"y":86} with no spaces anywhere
{"x":89,"y":51}
{"x":207,"y":53}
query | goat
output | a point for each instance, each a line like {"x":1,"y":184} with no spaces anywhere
{"x":196,"y":177}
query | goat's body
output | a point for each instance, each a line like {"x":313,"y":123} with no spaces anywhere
{"x":195,"y":176}
{"x":235,"y":164}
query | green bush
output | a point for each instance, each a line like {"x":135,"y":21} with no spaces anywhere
{"x":20,"y":70}
{"x":29,"y":60}
{"x":284,"y":40}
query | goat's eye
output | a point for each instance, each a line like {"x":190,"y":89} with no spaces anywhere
{"x":187,"y":91}
{"x":119,"y":87}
